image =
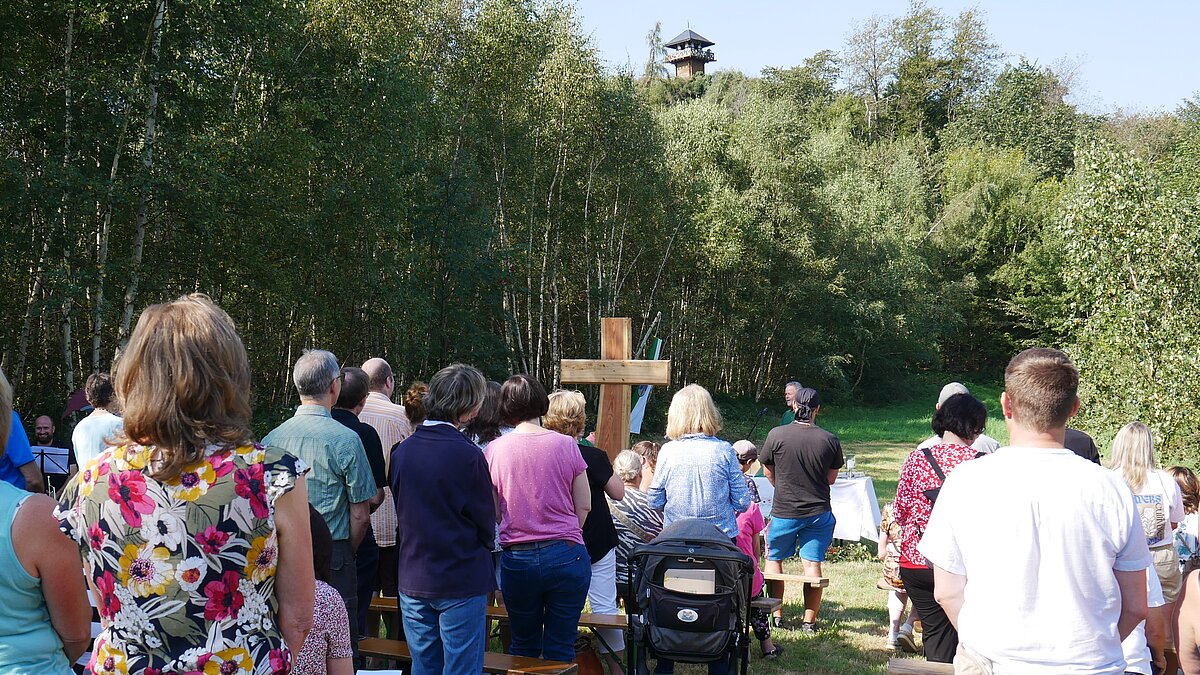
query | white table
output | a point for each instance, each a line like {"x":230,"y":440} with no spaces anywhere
{"x":856,"y":508}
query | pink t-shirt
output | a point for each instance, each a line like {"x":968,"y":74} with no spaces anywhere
{"x":533,"y":473}
{"x":750,"y":522}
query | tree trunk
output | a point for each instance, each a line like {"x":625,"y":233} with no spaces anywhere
{"x":143,"y":208}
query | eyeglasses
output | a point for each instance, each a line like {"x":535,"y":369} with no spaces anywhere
{"x":341,"y":376}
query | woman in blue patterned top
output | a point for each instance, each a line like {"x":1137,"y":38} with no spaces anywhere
{"x":698,"y":474}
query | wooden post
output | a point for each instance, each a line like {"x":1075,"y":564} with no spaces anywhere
{"x":612,"y":420}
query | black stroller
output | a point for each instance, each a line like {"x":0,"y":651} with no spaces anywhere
{"x":690,"y":627}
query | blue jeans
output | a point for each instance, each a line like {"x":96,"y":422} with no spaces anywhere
{"x":445,"y":635}
{"x":544,"y":591}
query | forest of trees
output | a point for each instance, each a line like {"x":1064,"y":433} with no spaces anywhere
{"x":440,"y":180}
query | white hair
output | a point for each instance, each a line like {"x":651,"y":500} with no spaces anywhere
{"x":628,"y":465}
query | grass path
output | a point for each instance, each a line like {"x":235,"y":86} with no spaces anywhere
{"x":853,"y":615}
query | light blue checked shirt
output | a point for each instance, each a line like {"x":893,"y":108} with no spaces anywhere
{"x":698,"y":476}
{"x":340,"y":475}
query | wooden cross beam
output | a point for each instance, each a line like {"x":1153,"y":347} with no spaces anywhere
{"x":615,"y":373}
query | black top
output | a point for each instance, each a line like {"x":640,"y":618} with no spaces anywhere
{"x":599,"y":533}
{"x":802,"y":456}
{"x":1081,"y":444}
{"x":443,"y":496}
{"x":370,"y":440}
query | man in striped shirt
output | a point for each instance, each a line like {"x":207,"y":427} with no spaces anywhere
{"x":391,"y":423}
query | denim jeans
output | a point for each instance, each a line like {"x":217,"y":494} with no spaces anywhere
{"x":445,"y":635}
{"x":544,"y":590}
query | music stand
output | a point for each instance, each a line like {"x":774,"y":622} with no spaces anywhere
{"x":54,"y":462}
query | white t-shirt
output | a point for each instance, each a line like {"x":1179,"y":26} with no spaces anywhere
{"x":1159,"y":504}
{"x":1137,"y":651}
{"x":90,"y":435}
{"x":1038,"y":533}
{"x":984,"y":443}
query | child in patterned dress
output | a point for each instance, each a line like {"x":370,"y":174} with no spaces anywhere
{"x":900,"y":635}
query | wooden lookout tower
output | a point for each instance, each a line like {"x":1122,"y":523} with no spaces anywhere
{"x":691,"y":52}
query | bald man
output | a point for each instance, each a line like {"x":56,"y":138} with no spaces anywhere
{"x":43,"y":431}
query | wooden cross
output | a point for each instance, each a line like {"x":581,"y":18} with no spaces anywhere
{"x":615,"y":372}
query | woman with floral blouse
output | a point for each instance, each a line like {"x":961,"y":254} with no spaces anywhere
{"x":957,"y":422}
{"x":184,"y":526}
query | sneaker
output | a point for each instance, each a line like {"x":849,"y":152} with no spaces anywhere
{"x":893,"y":645}
{"x":808,"y":627}
{"x":777,"y":622}
{"x":774,"y":653}
{"x":904,"y":640}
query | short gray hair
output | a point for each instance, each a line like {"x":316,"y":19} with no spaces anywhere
{"x":315,"y":370}
{"x":628,"y":465}
{"x":794,"y":385}
{"x":453,"y":392}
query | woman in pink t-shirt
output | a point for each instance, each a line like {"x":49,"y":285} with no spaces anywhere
{"x":544,"y":498}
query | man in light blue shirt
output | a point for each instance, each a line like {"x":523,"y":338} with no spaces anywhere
{"x":340,"y":484}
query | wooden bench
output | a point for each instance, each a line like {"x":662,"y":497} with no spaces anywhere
{"x":918,"y":667}
{"x":492,"y":662}
{"x":617,"y":621}
{"x":767,"y":604}
{"x":819,"y":582}
{"x":775,"y":585}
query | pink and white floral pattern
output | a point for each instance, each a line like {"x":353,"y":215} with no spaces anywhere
{"x":184,"y":569}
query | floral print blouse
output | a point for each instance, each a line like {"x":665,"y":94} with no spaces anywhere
{"x":183,"y":570}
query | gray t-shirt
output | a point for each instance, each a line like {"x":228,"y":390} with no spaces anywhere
{"x":801,"y":457}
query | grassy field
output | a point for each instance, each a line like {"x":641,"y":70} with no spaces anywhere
{"x":853,"y":616}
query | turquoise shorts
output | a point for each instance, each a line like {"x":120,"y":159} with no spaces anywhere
{"x":809,"y":536}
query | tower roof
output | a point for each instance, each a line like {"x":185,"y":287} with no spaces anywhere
{"x":689,"y":36}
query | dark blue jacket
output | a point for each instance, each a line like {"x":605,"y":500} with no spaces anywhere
{"x":446,"y":514}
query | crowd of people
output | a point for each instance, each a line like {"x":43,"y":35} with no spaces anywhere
{"x":1034,"y":558}
{"x":208,"y":552}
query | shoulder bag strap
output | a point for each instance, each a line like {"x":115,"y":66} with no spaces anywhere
{"x":632,"y":526}
{"x":933,"y":463}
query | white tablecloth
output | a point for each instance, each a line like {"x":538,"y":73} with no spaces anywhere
{"x":856,"y":508}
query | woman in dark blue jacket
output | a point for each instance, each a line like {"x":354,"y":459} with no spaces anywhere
{"x":447,"y":525}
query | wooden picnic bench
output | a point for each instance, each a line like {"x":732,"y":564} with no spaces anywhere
{"x":776,"y":581}
{"x":493,"y":662}
{"x":586,"y":620}
{"x":918,"y":667}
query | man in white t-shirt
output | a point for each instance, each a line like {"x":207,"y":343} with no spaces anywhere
{"x":983,"y":442}
{"x":1148,"y":640}
{"x":1039,"y":557}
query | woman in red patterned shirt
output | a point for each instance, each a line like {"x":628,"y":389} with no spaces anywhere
{"x":958,"y":422}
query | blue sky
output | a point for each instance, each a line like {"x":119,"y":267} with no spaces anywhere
{"x":1139,"y":56}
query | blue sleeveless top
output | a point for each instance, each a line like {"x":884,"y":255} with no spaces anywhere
{"x":28,"y":643}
